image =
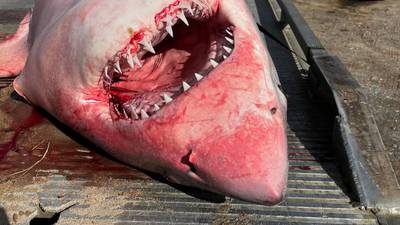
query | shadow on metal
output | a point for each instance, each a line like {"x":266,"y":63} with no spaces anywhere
{"x":3,"y":217}
{"x":48,"y":221}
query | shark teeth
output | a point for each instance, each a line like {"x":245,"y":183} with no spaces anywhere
{"x":227,"y":49}
{"x":156,"y":107}
{"x":144,"y":115}
{"x":117,"y":67}
{"x":185,"y":86}
{"x":106,"y":73}
{"x":169,"y":21}
{"x":230,"y":40}
{"x":126,"y":60}
{"x":229,"y":32}
{"x":125,"y":113}
{"x":182,"y":17}
{"x":167,"y":98}
{"x":134,"y":115}
{"x":214,"y":63}
{"x":147,"y":45}
{"x":137,"y":60}
{"x":188,"y":7}
{"x":198,"y":76}
{"x":129,"y":59}
{"x":169,"y":30}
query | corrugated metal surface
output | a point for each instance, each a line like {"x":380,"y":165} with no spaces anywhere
{"x":4,"y":82}
{"x":89,"y":188}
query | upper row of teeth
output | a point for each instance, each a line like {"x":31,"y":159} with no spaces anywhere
{"x":133,"y":59}
{"x":170,"y":21}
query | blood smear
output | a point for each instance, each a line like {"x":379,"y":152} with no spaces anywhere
{"x":19,"y":126}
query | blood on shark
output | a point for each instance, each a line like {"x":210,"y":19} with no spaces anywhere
{"x":183,"y":88}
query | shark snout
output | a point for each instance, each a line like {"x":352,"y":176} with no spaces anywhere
{"x":249,"y":163}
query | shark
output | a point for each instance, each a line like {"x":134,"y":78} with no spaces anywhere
{"x":182,"y":88}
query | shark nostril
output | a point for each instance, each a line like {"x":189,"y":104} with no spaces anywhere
{"x":274,"y":110}
{"x":186,"y":160}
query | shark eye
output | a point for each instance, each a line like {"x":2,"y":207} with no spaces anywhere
{"x":156,"y":68}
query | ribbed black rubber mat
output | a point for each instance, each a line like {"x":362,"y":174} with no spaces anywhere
{"x":90,"y":189}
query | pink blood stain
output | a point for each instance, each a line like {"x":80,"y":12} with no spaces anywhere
{"x":19,"y":126}
{"x":171,"y":10}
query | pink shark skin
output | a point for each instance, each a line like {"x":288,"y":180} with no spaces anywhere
{"x":226,"y":134}
{"x":14,"y":50}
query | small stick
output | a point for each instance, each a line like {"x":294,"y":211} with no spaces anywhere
{"x":25,"y":171}
{"x":36,"y":146}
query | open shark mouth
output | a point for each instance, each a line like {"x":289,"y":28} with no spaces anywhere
{"x":154,"y":69}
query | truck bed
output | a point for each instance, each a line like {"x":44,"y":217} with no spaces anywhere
{"x":74,"y":182}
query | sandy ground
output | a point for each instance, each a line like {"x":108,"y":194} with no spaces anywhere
{"x":366,"y":37}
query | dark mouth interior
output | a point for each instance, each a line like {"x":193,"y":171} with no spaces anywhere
{"x":179,"y":63}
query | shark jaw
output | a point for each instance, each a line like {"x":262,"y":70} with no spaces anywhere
{"x":184,"y":88}
{"x":156,"y":67}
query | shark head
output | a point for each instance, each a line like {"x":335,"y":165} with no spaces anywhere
{"x":184,"y":88}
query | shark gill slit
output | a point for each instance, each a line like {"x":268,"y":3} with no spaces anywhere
{"x":142,"y":78}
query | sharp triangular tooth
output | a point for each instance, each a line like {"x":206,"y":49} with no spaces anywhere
{"x":133,"y":113}
{"x":147,"y":45}
{"x":129,"y":59}
{"x":230,"y":40}
{"x":225,"y":57}
{"x":187,"y":6}
{"x":116,"y":111}
{"x":125,"y":114}
{"x":117,"y":67}
{"x":137,"y":60}
{"x":229,"y":32}
{"x":106,"y":73}
{"x":167,"y":98}
{"x":169,"y":30}
{"x":169,"y":22}
{"x":156,"y":107}
{"x":227,"y":49}
{"x":183,"y":18}
{"x":144,"y":114}
{"x":199,"y":77}
{"x":186,"y":86}
{"x":213,"y":63}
